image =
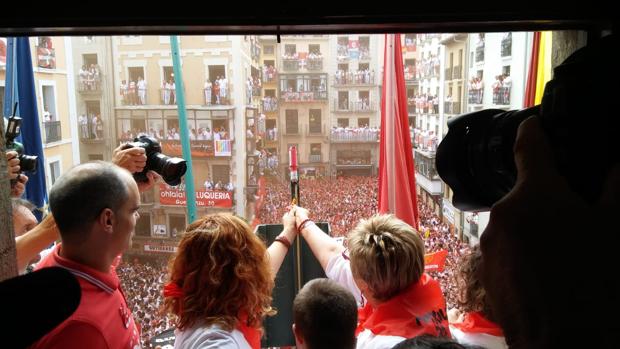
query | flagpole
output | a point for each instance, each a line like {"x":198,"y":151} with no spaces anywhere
{"x":190,"y":194}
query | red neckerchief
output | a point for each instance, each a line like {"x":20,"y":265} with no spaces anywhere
{"x":420,"y":309}
{"x":476,"y":323}
{"x":252,"y":335}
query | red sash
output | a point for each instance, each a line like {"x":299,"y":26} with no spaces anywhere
{"x":477,"y":323}
{"x":420,"y":309}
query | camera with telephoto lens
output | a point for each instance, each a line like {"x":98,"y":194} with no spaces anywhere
{"x":578,"y":114}
{"x":27,"y":163}
{"x":171,"y":169}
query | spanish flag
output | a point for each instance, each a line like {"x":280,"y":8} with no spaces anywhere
{"x":539,"y":71}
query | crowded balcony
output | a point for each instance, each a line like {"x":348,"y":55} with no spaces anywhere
{"x":303,"y":87}
{"x":217,"y":93}
{"x":360,"y":106}
{"x":475,"y":96}
{"x":89,"y":81}
{"x":426,"y":173}
{"x":270,"y":74}
{"x":52,"y":131}
{"x":501,"y":96}
{"x":90,"y":128}
{"x":133,"y":95}
{"x":354,"y":135}
{"x":353,"y":78}
{"x":270,"y":104}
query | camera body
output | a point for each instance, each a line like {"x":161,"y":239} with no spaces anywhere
{"x":27,"y":163}
{"x":170,"y":168}
{"x":476,"y":157}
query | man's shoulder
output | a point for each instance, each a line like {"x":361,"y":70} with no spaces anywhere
{"x":74,"y":333}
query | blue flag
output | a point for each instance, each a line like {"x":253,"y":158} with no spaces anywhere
{"x":19,"y":87}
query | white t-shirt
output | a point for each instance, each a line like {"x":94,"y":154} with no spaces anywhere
{"x":482,"y":339}
{"x":339,"y":270}
{"x":212,"y":337}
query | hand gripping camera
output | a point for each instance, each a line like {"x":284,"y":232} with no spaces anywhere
{"x":578,"y":114}
{"x":27,"y":163}
{"x":171,"y":169}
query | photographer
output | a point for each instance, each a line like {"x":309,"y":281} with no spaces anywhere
{"x":543,"y":291}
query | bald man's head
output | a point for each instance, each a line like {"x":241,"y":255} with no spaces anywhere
{"x":80,"y":195}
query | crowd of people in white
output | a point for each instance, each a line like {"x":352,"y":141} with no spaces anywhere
{"x":202,"y":134}
{"x":358,"y":134}
{"x":424,"y":103}
{"x":362,"y":76}
{"x":90,"y":78}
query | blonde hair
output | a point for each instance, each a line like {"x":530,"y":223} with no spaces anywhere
{"x":387,"y":254}
{"x":224,"y":272}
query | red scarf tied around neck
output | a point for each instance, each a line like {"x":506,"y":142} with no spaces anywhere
{"x":252,"y":335}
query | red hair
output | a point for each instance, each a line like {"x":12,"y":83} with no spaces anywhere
{"x":223,"y":271}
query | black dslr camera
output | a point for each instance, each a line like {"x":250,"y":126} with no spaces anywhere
{"x":579,"y":115}
{"x":171,"y":169}
{"x":27,"y":163}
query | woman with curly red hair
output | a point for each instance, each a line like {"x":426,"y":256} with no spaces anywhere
{"x":221,"y":280}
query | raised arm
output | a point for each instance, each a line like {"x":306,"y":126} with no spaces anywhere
{"x":35,"y":240}
{"x":278,"y":249}
{"x":322,"y":245}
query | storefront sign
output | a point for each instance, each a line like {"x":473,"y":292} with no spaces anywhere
{"x":204,"y":198}
{"x":200,"y":149}
{"x":160,"y":248}
{"x":448,"y":210}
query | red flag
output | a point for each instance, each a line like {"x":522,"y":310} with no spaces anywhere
{"x":532,"y":76}
{"x":435,"y":261}
{"x":397,"y":192}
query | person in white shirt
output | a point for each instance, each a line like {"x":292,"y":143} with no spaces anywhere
{"x":142,"y":91}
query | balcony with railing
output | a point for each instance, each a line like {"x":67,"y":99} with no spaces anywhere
{"x":90,"y":84}
{"x":457,"y":72}
{"x":314,"y":158}
{"x":354,"y":78}
{"x":305,"y":96}
{"x":359,"y":106}
{"x":270,"y":104}
{"x":452,"y":107}
{"x":354,"y":135}
{"x":475,"y":96}
{"x":314,"y":64}
{"x":290,"y":64}
{"x":52,"y":131}
{"x":501,"y":96}
{"x":212,"y":96}
{"x":133,"y":96}
{"x":91,"y":129}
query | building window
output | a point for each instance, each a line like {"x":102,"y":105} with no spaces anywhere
{"x":221,"y":174}
{"x":316,"y":49}
{"x":291,"y":121}
{"x":314,"y":121}
{"x":143,"y":225}
{"x":95,"y":157}
{"x":290,"y":49}
{"x":363,"y":122}
{"x":268,"y":49}
{"x":343,"y":122}
{"x":54,"y":167}
{"x":176,"y":224}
